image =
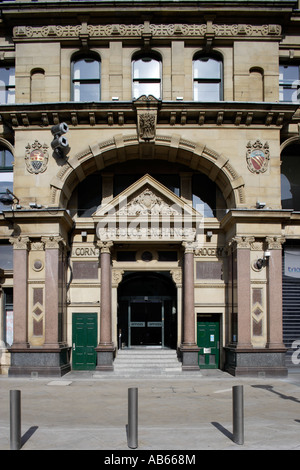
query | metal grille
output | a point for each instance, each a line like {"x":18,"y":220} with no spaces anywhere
{"x":291,"y":315}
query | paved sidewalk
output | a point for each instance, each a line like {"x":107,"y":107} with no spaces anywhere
{"x":81,"y":412}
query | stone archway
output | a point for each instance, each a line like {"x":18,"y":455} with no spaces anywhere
{"x":172,"y":148}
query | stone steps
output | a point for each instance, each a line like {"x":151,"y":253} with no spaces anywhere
{"x":147,"y":361}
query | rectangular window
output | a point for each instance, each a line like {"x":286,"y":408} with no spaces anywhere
{"x":7,"y":85}
{"x":6,"y":256}
{"x":289,"y":83}
{"x":7,"y":332}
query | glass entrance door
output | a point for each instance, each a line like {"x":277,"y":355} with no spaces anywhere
{"x":146,"y":323}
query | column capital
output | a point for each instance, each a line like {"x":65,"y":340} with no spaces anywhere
{"x":53,"y":242}
{"x":20,"y":243}
{"x":275,"y":243}
{"x":189,"y":247}
{"x":242,"y":241}
{"x":104,"y":247}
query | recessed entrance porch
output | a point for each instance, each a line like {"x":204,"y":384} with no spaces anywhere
{"x":147,"y":312}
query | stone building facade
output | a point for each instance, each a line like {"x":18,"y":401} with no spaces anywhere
{"x":151,"y":155}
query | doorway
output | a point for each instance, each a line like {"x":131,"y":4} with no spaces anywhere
{"x":84,"y":341}
{"x":147,"y":317}
{"x":208,"y":340}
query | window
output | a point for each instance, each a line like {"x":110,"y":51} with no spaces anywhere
{"x":89,"y":195}
{"x":207,"y":76}
{"x":6,"y":172}
{"x":7,"y":85}
{"x":290,"y":177}
{"x":207,"y":197}
{"x":86,"y":79}
{"x":289,"y":83}
{"x":146,"y":73}
{"x":7,"y":324}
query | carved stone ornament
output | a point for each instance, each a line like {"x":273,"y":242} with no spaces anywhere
{"x":36,"y":157}
{"x":258,"y":156}
{"x":147,"y":203}
{"x":147,"y":123}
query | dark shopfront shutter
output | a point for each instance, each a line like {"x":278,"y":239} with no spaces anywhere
{"x":291,"y":313}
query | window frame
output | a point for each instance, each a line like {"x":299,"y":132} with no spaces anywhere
{"x":85,"y":81}
{"x":208,"y":80}
{"x":146,"y":80}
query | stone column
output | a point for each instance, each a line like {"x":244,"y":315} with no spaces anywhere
{"x":105,"y":349}
{"x":274,"y":327}
{"x":189,"y":348}
{"x":53,"y":286}
{"x":243,"y":292}
{"x":20,"y":322}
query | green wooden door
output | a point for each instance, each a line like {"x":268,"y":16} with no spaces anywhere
{"x":208,"y":340}
{"x":84,"y":339}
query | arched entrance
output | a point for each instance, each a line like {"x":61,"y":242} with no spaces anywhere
{"x":147,"y":310}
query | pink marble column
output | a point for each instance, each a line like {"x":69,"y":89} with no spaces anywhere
{"x":274,"y":329}
{"x":20,"y":322}
{"x":105,"y":349}
{"x":52,"y":291}
{"x":189,"y":348}
{"x":243,"y":297}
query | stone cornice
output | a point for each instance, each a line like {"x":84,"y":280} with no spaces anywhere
{"x":122,"y":113}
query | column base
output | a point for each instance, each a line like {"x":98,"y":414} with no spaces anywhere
{"x":189,"y":356}
{"x":255,"y":362}
{"x":36,"y":362}
{"x":105,"y":358}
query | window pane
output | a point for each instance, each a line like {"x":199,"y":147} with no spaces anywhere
{"x":6,"y":181}
{"x":206,"y":91}
{"x":86,"y":69}
{"x":207,"y":68}
{"x":7,"y":84}
{"x":6,"y":256}
{"x":6,"y":159}
{"x":86,"y":91}
{"x":140,"y":89}
{"x":288,"y":73}
{"x":146,"y":68}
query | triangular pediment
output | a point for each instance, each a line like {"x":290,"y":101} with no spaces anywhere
{"x":147,"y":211}
{"x":146,"y":197}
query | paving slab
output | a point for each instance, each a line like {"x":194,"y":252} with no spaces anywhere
{"x":80,"y":412}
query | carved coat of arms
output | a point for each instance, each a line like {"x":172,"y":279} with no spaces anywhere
{"x":36,"y":157}
{"x":258,"y":156}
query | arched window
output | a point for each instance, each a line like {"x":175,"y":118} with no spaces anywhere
{"x":86,"y":74}
{"x":146,"y":75}
{"x":290,"y":177}
{"x":207,"y":77}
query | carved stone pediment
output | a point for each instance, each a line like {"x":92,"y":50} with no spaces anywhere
{"x":147,"y":210}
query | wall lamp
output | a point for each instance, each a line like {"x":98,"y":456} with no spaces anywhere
{"x":8,"y":198}
{"x":261,"y":262}
{"x":60,"y":144}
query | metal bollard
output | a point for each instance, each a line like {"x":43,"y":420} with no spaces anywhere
{"x":132,"y":418}
{"x":15,"y":419}
{"x":238,"y":414}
